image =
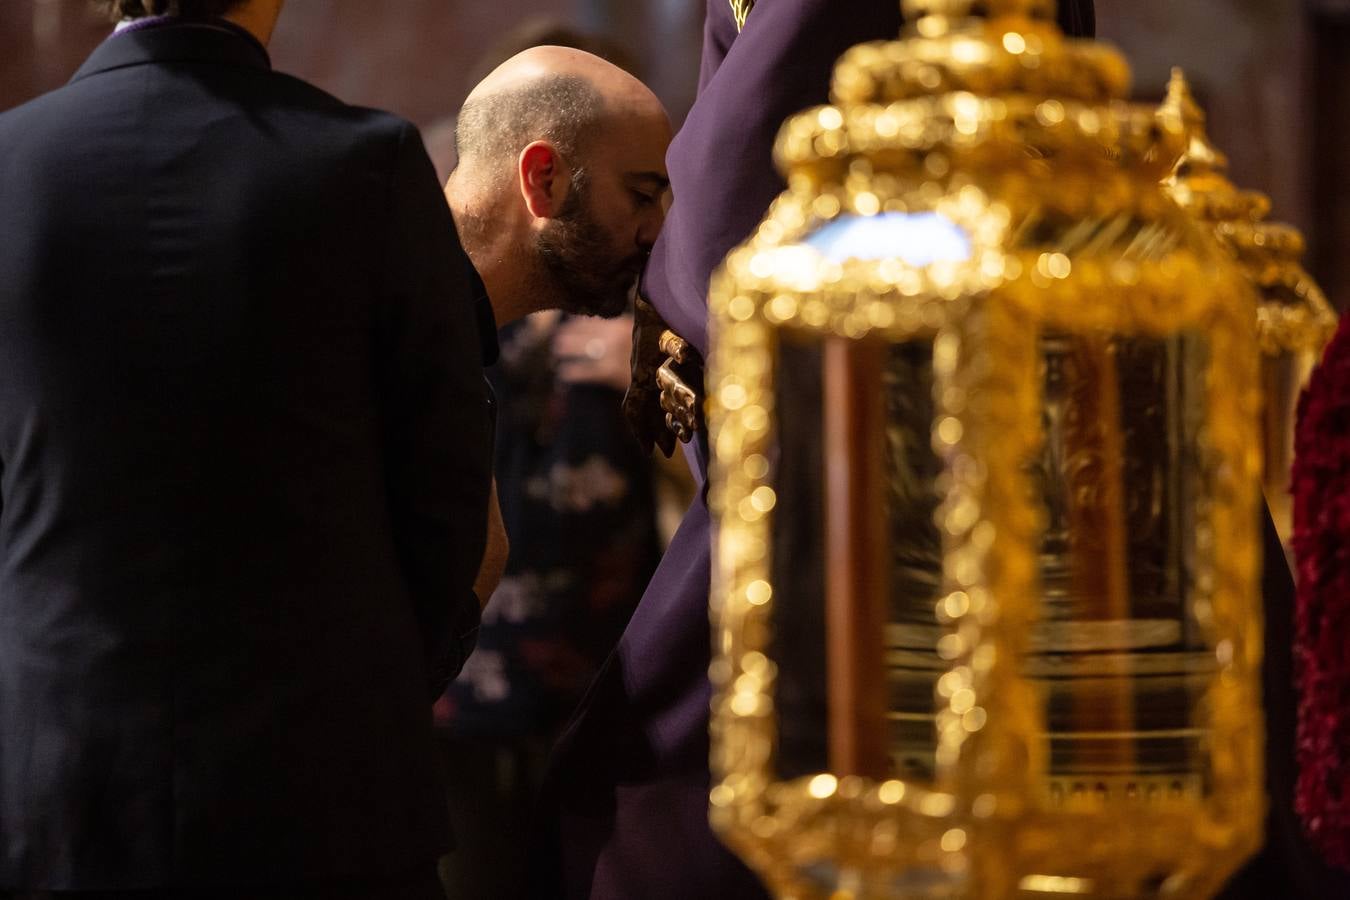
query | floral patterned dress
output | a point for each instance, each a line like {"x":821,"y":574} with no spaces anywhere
{"x":576,"y":498}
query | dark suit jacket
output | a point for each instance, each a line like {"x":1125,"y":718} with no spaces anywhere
{"x":245,"y":456}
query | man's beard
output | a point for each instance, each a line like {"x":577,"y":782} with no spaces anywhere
{"x":575,"y":264}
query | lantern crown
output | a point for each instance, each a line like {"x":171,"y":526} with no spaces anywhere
{"x":974,"y":83}
{"x":991,"y":48}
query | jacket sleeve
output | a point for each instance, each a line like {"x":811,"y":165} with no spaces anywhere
{"x":435,"y":415}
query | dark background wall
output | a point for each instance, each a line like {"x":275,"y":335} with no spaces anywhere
{"x":409,"y":56}
{"x":1270,"y":71}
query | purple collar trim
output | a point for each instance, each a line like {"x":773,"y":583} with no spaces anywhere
{"x":144,"y":23}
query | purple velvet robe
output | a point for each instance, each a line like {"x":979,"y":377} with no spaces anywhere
{"x":624,"y":814}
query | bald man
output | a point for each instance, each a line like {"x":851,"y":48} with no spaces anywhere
{"x":558,"y":195}
{"x":559,"y":190}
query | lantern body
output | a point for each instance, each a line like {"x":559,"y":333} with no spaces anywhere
{"x":984,"y":423}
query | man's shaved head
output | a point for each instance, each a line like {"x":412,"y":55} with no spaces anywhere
{"x":556,"y":94}
{"x":495,"y":127}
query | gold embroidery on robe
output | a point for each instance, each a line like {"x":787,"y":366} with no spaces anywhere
{"x":740,"y":9}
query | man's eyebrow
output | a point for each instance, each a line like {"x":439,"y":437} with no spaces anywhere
{"x":653,"y":179}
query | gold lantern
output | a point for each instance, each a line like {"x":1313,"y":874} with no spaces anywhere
{"x":1294,"y":320}
{"x":983,"y":406}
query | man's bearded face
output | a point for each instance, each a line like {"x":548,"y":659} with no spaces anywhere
{"x":589,"y":271}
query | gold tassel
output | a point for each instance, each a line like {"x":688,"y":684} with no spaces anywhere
{"x":740,"y":9}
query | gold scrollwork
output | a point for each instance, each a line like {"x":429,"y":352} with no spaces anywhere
{"x":679,"y":382}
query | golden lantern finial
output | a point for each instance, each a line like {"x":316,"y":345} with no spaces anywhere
{"x":1201,"y":156}
{"x":1181,"y":101}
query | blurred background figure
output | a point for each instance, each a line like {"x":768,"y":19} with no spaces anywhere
{"x":577,"y":500}
{"x":579,"y":508}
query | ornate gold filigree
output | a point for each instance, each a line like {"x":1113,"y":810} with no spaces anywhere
{"x":1020,"y":141}
{"x":680,"y":382}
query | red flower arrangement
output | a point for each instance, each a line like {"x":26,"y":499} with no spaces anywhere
{"x":1321,"y":494}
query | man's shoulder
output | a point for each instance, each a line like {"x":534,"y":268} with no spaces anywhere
{"x":280,"y":92}
{"x":284,"y":93}
{"x":259,"y":130}
{"x":285,"y":96}
{"x":320,"y":101}
{"x":16,"y":117}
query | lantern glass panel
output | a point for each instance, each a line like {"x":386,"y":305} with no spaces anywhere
{"x":797,"y":623}
{"x":912,"y":497}
{"x":1118,"y":652}
{"x":910,"y":578}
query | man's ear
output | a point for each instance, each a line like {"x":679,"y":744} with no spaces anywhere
{"x":543,"y":183}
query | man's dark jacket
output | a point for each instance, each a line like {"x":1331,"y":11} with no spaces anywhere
{"x":245,"y":458}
